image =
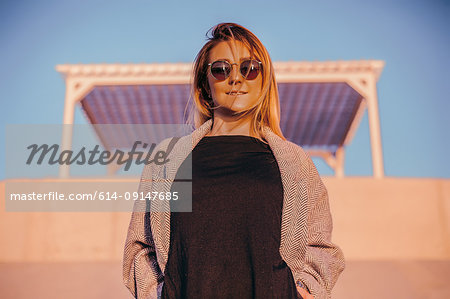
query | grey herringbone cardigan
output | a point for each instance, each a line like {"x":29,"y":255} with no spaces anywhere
{"x":306,"y":224}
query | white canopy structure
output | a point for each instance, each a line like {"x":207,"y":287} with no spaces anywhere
{"x":322,"y":103}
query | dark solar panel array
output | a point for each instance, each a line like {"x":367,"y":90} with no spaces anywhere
{"x":317,"y":115}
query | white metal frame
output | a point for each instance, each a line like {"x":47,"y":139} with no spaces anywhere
{"x":361,"y":75}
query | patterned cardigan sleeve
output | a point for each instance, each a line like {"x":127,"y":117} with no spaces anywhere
{"x":324,"y":261}
{"x":141,"y":272}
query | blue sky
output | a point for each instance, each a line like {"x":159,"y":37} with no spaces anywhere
{"x":410,"y":36}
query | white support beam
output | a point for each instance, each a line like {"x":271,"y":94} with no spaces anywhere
{"x":366,"y":86}
{"x":339,"y":169}
{"x":374,"y":127}
{"x":76,"y":89}
{"x":67,"y":130}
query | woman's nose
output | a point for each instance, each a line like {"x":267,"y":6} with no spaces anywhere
{"x":235,"y":74}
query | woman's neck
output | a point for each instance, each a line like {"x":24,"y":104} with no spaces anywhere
{"x":231,"y":126}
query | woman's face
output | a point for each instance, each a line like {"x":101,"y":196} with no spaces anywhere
{"x":249,"y":90}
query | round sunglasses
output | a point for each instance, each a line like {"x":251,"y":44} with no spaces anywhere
{"x":221,"y":69}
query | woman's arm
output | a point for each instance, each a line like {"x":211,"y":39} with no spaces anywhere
{"x":141,"y":272}
{"x":324,"y":261}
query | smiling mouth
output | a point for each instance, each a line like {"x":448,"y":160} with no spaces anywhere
{"x":234,"y":93}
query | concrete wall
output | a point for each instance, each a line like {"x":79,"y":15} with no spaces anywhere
{"x":390,"y":218}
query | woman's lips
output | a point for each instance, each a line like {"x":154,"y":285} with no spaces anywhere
{"x":234,"y":93}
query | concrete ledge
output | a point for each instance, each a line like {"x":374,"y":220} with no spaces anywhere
{"x":391,"y":218}
{"x":374,"y":219}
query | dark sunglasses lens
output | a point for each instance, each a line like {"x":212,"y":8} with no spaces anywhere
{"x":250,"y":69}
{"x":220,"y":70}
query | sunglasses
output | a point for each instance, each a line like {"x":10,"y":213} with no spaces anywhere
{"x":221,"y":69}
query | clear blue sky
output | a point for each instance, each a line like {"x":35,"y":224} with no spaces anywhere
{"x":412,"y":37}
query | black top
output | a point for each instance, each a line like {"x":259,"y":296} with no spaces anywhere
{"x":228,"y":246}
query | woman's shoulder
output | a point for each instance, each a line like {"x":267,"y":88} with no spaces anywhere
{"x":294,"y":159}
{"x":289,"y":149}
{"x":161,"y":151}
{"x":301,"y":153}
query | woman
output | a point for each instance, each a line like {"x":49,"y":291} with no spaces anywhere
{"x":260,"y":225}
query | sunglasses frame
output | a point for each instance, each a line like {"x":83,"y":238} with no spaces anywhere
{"x":231,"y":66}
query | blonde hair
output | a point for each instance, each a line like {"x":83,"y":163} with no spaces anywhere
{"x":266,"y":111}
